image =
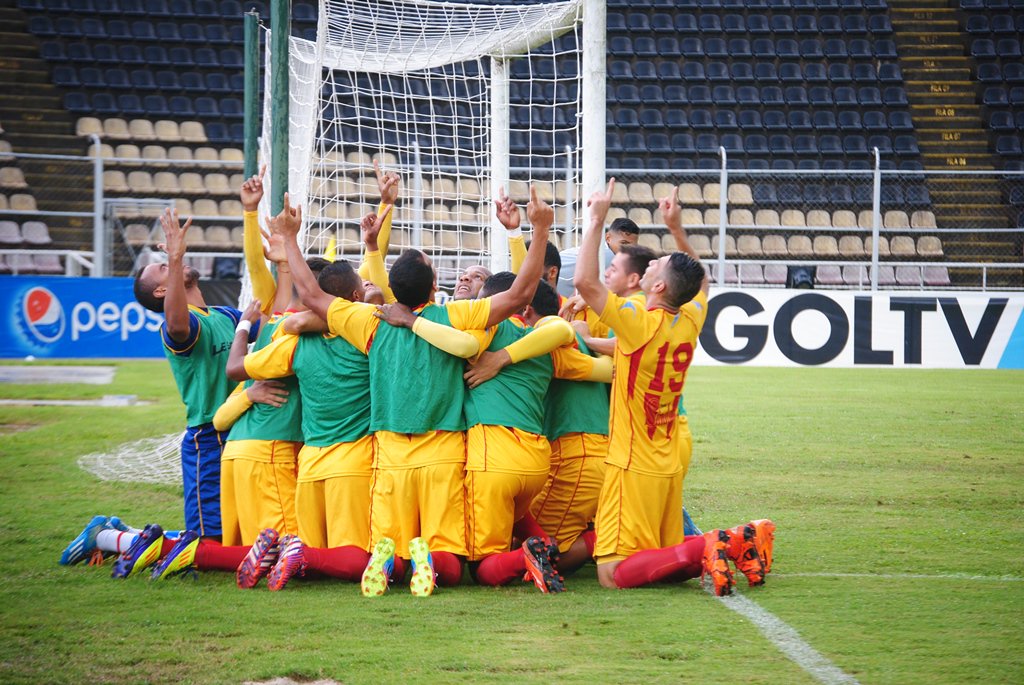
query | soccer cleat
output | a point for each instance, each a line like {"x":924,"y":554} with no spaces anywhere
{"x":743,"y":552}
{"x":180,"y":559}
{"x":260,"y":559}
{"x":716,"y":562}
{"x":539,"y":567}
{"x":764,"y":539}
{"x":83,"y":546}
{"x":422,"y":582}
{"x":378,"y":569}
{"x":143,"y":552}
{"x":291,"y":561}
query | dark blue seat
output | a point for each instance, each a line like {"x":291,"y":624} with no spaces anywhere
{"x":880,"y":25}
{"x":615,"y":22}
{"x":233,"y":108}
{"x":192,"y":82}
{"x":855,"y":145}
{"x":741,"y":72}
{"x":638,"y":23}
{"x":840,"y":194}
{"x":645,"y":71}
{"x":765,"y":72}
{"x":707,"y":143}
{"x":895,"y":96}
{"x":806,"y":23}
{"x":626,"y":118}
{"x":633,"y":142}
{"x":142,"y":79}
{"x":218,"y":83}
{"x":779,"y":164}
{"x":620,"y":46}
{"x":830,"y":24}
{"x":130,"y":105}
{"x":1008,"y":146}
{"x":796,"y":96}
{"x":799,"y":120}
{"x":748,"y":95}
{"x":860,"y":49}
{"x":180,"y":57}
{"x":104,"y":103}
{"x":739,"y":48}
{"x":869,"y":96}
{"x":67,"y":27}
{"x":725,"y":120}
{"x":81,"y":52}
{"x":814,"y":194}
{"x":658,"y":143}
{"x":648,"y":93}
{"x":780,"y":144}
{"x":839,"y":73}
{"x":699,"y":95}
{"x":918,"y":196}
{"x":750,"y":119}
{"x":668,"y":46}
{"x":205,"y":57}
{"x":144,"y":31}
{"x":675,"y":95}
{"x":734,"y":23}
{"x":824,"y":120}
{"x":835,"y":49}
{"x":117,"y":79}
{"x":989,"y":72}
{"x":781,"y":24}
{"x":983,"y":48}
{"x":755,"y":144}
{"x":874,"y":120}
{"x":181,"y":106}
{"x":886,"y":49}
{"x":93,"y":28}
{"x":645,"y":47}
{"x":686,"y":23}
{"x":682,"y":143}
{"x":681,"y":163}
{"x":757,"y":25}
{"x":787,"y":48}
{"x":156,"y":8}
{"x":650,"y":118}
{"x":775,"y":120}
{"x":192,"y":33}
{"x":892,"y":195}
{"x":701,"y":120}
{"x":132,"y":54}
{"x":905,"y":146}
{"x":694,"y":71}
{"x":118,"y":29}
{"x":849,"y":120}
{"x":716,"y":47}
{"x":723,"y":95}
{"x":790,"y":72}
{"x":763,"y":48}
{"x":807,"y":165}
{"x":1016,"y":97}
{"x":167,"y":80}
{"x":620,"y":70}
{"x":810,"y":48}
{"x":90,"y":77}
{"x":757,"y":164}
{"x":692,"y":47}
{"x":107,"y":53}
{"x":733,"y":143}
{"x":789,"y":194}
{"x":772,"y":95}
{"x":612,"y":142}
{"x":845,"y":96}
{"x":855,"y":24}
{"x":1008,"y":48}
{"x":627,"y":94}
{"x":830,"y":145}
{"x":65,"y":76}
{"x":709,"y":23}
{"x":180,"y":8}
{"x":864,"y":72}
{"x":827,"y":4}
{"x":882,"y":142}
{"x":764,"y":193}
{"x":901,"y":121}
{"x":677,"y":118}
{"x":662,"y":23}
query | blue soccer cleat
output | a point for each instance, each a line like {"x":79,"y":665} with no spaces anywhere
{"x":378,"y":570}
{"x":260,"y":559}
{"x":291,"y":561}
{"x":143,"y":552}
{"x":85,"y":544}
{"x":115,"y":523}
{"x":180,"y":559}
{"x":423,"y":579}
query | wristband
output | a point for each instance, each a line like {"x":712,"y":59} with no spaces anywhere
{"x":243,"y":325}
{"x":515,"y":232}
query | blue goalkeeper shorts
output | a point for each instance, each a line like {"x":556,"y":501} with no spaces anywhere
{"x":200,"y":472}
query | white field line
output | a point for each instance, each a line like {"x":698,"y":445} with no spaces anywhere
{"x":904,"y":576}
{"x":787,"y":640}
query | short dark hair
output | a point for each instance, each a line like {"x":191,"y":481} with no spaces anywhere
{"x":683,"y":278}
{"x":317,"y":264}
{"x":497,"y":283}
{"x":624,"y":225}
{"x":639,"y":258}
{"x":339,"y":279}
{"x":411,"y":278}
{"x":545,"y":300}
{"x":144,"y":294}
{"x":551,"y":256}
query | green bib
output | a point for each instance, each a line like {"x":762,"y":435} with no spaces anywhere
{"x":334,"y":381}
{"x":575,"y":406}
{"x":416,"y":387}
{"x":200,"y":374}
{"x":515,"y":397}
{"x":262,"y":421}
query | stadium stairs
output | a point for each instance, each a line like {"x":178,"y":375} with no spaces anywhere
{"x":35,"y":121}
{"x":950,"y":129}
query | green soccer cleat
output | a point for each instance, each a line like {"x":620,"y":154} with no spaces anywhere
{"x":423,"y":579}
{"x":180,"y":559}
{"x":143,"y":553}
{"x":378,"y":570}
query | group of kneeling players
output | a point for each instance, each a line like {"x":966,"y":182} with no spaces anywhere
{"x":378,"y":435}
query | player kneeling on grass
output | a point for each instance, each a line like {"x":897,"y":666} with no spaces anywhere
{"x":639,"y":529}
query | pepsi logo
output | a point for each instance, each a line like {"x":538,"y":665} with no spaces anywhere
{"x":42,"y":315}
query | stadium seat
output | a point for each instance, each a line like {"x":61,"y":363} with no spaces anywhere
{"x":774,"y":246}
{"x":907,"y":276}
{"x":830,"y":275}
{"x":775,"y":274}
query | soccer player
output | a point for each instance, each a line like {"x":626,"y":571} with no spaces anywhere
{"x":472,"y":278}
{"x":196,"y":341}
{"x":416,"y":413}
{"x":639,"y":527}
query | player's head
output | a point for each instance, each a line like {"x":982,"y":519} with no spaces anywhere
{"x":498,"y":283}
{"x":675,"y":279}
{"x":624,"y":272}
{"x":544,"y":303}
{"x":622,"y":232}
{"x":552,"y":263}
{"x":412,"y":278}
{"x":317,"y":264}
{"x":151,"y":285}
{"x":341,"y":280}
{"x":470,"y":282}
{"x":372,"y":294}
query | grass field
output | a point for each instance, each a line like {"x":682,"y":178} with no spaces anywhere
{"x":898,"y":496}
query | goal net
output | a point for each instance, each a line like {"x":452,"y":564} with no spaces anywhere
{"x":458,"y":98}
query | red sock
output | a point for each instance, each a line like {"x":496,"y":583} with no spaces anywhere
{"x":166,"y":546}
{"x":213,"y":556}
{"x":590,"y":540}
{"x":500,"y":569}
{"x":447,"y":567}
{"x":398,"y":572}
{"x":527,"y":527}
{"x":679,"y":562}
{"x":347,"y":563}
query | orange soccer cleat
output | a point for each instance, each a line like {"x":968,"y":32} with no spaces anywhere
{"x":764,"y":538}
{"x":742,"y":549}
{"x":716,"y":563}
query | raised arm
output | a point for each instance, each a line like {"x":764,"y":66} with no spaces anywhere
{"x":373,"y":260}
{"x":671,"y":212}
{"x":275,"y":252}
{"x":287,"y":224}
{"x":508,"y":216}
{"x":175,"y":300}
{"x":505,"y":304}
{"x":240,"y":343}
{"x":263,"y":286}
{"x":387,"y":185}
{"x":587,"y":278}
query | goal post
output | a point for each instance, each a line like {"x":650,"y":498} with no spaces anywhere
{"x":459,"y":99}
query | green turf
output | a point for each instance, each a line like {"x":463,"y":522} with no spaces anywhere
{"x":909,"y":481}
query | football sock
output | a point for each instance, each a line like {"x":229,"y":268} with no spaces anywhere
{"x":166,"y":545}
{"x":499,"y":569}
{"x":398,"y":572}
{"x":213,"y":556}
{"x":590,"y":540}
{"x":447,"y":567}
{"x":347,"y":563}
{"x":114,"y":540}
{"x":527,"y":527}
{"x":678,"y":562}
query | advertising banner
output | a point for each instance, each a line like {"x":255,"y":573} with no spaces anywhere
{"x":926,"y":329}
{"x":58,"y":317}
